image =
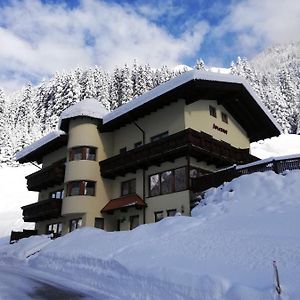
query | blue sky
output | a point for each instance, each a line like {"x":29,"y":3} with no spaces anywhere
{"x":40,"y":37}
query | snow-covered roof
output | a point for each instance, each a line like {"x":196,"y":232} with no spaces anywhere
{"x":39,"y":144}
{"x":180,"y":80}
{"x":87,"y":108}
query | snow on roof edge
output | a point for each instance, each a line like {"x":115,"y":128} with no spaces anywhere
{"x":39,"y":143}
{"x":268,"y":160}
{"x":180,"y":80}
{"x":88,"y":107}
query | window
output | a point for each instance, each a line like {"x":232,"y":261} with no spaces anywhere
{"x":159,"y":136}
{"x":159,"y":215}
{"x":168,"y":182}
{"x":119,"y":225}
{"x":224,"y":118}
{"x":212,"y":111}
{"x":196,"y":172}
{"x":138,"y":144}
{"x":154,"y":185}
{"x":171,"y":212}
{"x":57,"y":194}
{"x":180,"y":179}
{"x":75,"y":224}
{"x":123,"y":150}
{"x":134,"y":222}
{"x":82,"y":153}
{"x":99,"y":223}
{"x":128,"y":187}
{"x":55,"y":228}
{"x":83,"y":187}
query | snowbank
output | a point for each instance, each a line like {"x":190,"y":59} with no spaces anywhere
{"x":225,"y":251}
{"x":14,"y":194}
{"x":285,"y":144}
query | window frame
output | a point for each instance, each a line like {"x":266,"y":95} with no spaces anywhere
{"x":84,"y":153}
{"x":224,"y":117}
{"x":60,"y":191}
{"x":174,"y":210}
{"x":173,"y":184}
{"x":76,"y":222}
{"x":156,"y":219}
{"x":131,"y":190}
{"x":82,"y":188}
{"x":58,"y":231}
{"x":212,"y":111}
{"x":131,"y":219}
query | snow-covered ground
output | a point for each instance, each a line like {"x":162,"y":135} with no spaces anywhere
{"x":14,"y":194}
{"x":224,"y":251}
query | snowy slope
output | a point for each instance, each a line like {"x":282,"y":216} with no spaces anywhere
{"x":14,"y":194}
{"x":284,"y":144}
{"x":225,"y":251}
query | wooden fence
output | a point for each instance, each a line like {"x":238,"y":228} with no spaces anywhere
{"x":17,"y":235}
{"x":205,"y":182}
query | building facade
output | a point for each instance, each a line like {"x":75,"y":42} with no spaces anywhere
{"x":117,"y":170}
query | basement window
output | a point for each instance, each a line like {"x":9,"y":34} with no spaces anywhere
{"x":55,"y":228}
{"x":75,"y":224}
{"x":158,"y":215}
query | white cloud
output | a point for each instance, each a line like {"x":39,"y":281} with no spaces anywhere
{"x":38,"y":39}
{"x":261,"y":23}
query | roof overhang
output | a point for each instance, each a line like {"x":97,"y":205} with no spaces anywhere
{"x":49,"y":143}
{"x":233,"y":92}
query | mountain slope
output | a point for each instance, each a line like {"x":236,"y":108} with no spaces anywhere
{"x":32,"y":112}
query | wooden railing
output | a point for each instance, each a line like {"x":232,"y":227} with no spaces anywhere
{"x":17,"y":235}
{"x":42,"y":210}
{"x":186,"y":142}
{"x":280,"y":165}
{"x":46,"y":177}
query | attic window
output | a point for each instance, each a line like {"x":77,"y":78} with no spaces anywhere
{"x":224,"y":118}
{"x":212,"y":111}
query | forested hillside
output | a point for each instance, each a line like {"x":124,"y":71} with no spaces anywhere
{"x":30,"y":113}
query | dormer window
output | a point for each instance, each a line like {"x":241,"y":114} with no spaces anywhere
{"x":82,"y":153}
{"x":212,"y":111}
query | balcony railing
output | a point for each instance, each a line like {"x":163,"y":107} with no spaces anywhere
{"x":42,"y":210}
{"x":187,"y":142}
{"x":46,"y":177}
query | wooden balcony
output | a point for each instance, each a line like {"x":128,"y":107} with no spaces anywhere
{"x":46,"y":177}
{"x":188,"y":142}
{"x":42,"y":210}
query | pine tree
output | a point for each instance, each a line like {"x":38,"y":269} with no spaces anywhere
{"x":200,"y":65}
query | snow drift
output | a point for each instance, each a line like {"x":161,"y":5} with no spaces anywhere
{"x":224,"y":251}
